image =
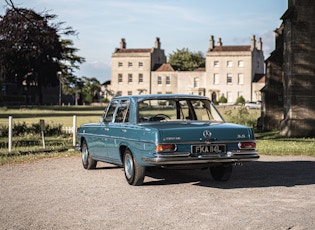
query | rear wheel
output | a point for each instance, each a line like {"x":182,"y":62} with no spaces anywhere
{"x":134,"y":172}
{"x":87,"y":161}
{"x":221,"y":172}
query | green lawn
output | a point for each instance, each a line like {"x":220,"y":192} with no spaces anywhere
{"x":268,"y":143}
{"x":271,"y":143}
{"x":52,"y":115}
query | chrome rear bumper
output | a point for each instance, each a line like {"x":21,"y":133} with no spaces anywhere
{"x":187,"y":158}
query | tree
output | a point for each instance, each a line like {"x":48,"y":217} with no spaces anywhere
{"x":68,"y":64}
{"x":90,"y":90}
{"x":32,"y":52}
{"x":186,"y":60}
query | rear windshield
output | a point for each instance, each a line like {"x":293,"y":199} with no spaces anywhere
{"x":177,"y":110}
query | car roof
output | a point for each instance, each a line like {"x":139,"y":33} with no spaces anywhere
{"x":162,"y":96}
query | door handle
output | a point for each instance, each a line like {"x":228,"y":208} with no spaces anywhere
{"x":124,"y":130}
{"x":106,"y":129}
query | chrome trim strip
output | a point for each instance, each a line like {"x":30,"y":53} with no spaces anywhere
{"x":209,"y":142}
{"x":172,"y":154}
{"x":115,"y":137}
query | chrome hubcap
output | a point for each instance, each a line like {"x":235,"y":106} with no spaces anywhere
{"x":84,"y":154}
{"x":128,"y":166}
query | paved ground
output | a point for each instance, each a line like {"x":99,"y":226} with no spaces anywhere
{"x":272,"y":193}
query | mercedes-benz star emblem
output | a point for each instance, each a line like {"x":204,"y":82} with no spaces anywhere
{"x":207,"y":134}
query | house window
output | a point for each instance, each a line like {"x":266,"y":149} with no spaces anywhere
{"x":140,"y":79}
{"x":168,"y":80}
{"x":196,"y":82}
{"x":216,"y":80}
{"x":129,"y":92}
{"x":229,"y":79}
{"x":130,"y":78}
{"x":129,"y":64}
{"x":240,"y":63}
{"x":159,"y":80}
{"x":229,"y":64}
{"x":229,"y":97}
{"x":140,"y":64}
{"x":216,"y":64}
{"x":241,"y":79}
{"x":120,"y":78}
{"x":120,"y":64}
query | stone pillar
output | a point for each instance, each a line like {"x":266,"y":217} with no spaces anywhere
{"x":299,"y":70}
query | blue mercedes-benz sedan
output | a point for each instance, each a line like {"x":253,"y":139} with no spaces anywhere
{"x":142,"y":131}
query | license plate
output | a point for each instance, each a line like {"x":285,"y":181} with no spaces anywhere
{"x":207,"y":149}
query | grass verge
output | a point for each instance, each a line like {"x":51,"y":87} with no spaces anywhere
{"x":271,"y":143}
{"x":36,"y":155}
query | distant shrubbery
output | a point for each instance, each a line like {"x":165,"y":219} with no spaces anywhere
{"x":22,"y":129}
{"x":222,"y":99}
{"x":241,"y":116}
{"x":240,"y":100}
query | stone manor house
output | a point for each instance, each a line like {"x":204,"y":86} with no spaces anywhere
{"x":231,"y":71}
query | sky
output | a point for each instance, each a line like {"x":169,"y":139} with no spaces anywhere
{"x":178,"y":23}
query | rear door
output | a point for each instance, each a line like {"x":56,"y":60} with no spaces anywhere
{"x":103,"y":134}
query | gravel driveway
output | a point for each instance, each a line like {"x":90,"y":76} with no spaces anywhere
{"x":272,"y":193}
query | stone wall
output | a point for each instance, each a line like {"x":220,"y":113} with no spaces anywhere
{"x":299,"y":69}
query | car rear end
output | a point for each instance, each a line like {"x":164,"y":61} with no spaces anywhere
{"x":203,"y":143}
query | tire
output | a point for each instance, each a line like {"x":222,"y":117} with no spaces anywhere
{"x":221,"y":172}
{"x":87,"y":160}
{"x":134,"y":172}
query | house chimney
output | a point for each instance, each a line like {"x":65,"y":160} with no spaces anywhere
{"x":157,"y":43}
{"x":219,"y":42}
{"x":253,"y":44}
{"x":259,"y":45}
{"x":211,"y":47}
{"x":123,"y":44}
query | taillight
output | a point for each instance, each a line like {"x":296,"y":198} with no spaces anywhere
{"x":166,"y":148}
{"x":247,"y":145}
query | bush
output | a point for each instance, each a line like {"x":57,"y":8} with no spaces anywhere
{"x":21,"y":129}
{"x":104,"y":100}
{"x":3,"y":131}
{"x":240,"y":100}
{"x":242,"y":117}
{"x":222,"y":99}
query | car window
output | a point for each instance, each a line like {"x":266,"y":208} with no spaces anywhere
{"x":122,"y":114}
{"x":177,"y":109}
{"x":110,"y":111}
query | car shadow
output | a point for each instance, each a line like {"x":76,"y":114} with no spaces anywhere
{"x":250,"y":175}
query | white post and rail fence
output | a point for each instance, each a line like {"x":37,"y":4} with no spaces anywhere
{"x":69,"y":130}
